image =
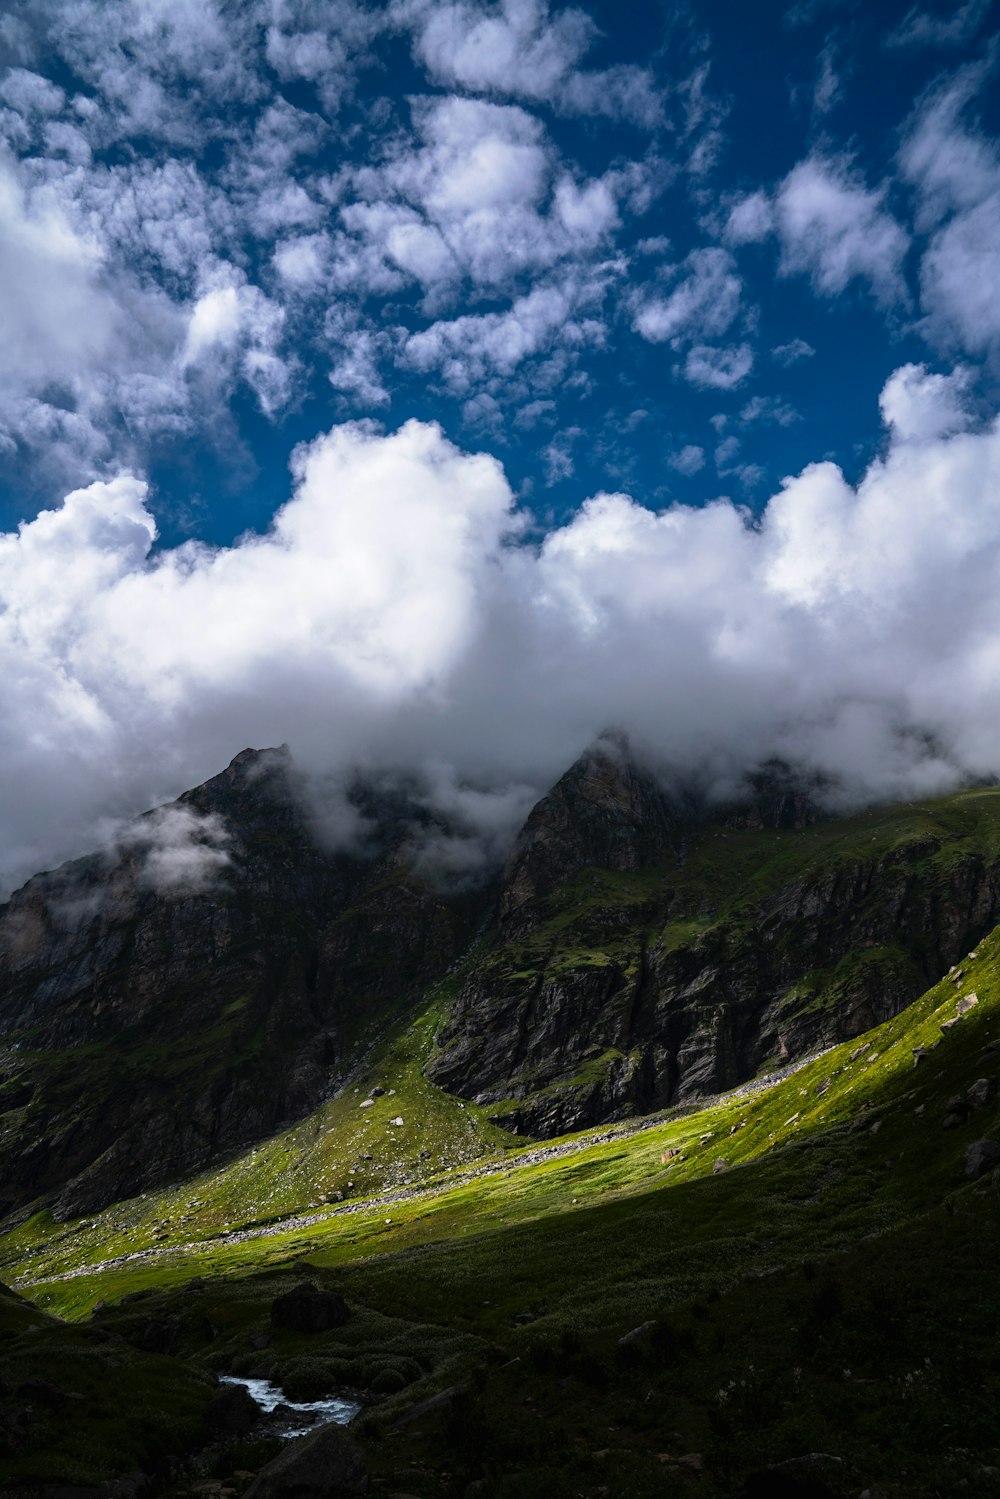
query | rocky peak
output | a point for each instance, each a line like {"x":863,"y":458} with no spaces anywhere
{"x":777,"y":796}
{"x":606,"y":811}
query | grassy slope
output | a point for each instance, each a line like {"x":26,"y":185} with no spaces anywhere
{"x":825,"y":1291}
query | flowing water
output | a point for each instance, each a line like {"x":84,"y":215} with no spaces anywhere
{"x":269,"y":1396}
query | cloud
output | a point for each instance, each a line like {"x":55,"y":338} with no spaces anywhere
{"x":835,"y":230}
{"x":956,"y":173}
{"x":920,"y":28}
{"x":688,"y":460}
{"x":395,"y":617}
{"x":718,"y":368}
{"x":920,"y":407}
{"x":751,"y":219}
{"x":793,"y":352}
{"x":520,"y":49}
{"x":182,"y":852}
{"x":703,"y":304}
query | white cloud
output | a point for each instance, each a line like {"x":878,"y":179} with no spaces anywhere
{"x":920,"y":28}
{"x":834,"y":229}
{"x":921,"y":407}
{"x":182,"y":852}
{"x":520,"y":49}
{"x":751,"y":219}
{"x":688,"y":460}
{"x":703,"y":304}
{"x":58,"y":318}
{"x":718,"y":368}
{"x":792,"y":352}
{"x":956,"y":173}
{"x":387,"y":618}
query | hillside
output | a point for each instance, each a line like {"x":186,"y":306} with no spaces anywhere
{"x":804,"y":1255}
{"x":640,"y":949}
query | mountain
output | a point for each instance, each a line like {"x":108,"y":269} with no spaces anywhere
{"x":147,"y":1030}
{"x":217,"y":974}
{"x":284,"y":1076}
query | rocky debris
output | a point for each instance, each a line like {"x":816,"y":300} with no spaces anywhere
{"x":966,"y":1003}
{"x":718,"y":1166}
{"x":308,"y":1309}
{"x":233,"y":1411}
{"x":980,"y":1157}
{"x":326,"y":1464}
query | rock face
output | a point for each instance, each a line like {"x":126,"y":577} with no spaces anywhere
{"x":186,"y":993}
{"x":198,"y":986}
{"x":605,"y":811}
{"x":650,"y":951}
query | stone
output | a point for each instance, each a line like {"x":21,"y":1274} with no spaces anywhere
{"x":718,"y":1166}
{"x":307,"y":1309}
{"x":326,"y":1464}
{"x":259,"y":1340}
{"x":980,"y":1157}
{"x":977,"y":1095}
{"x":638,"y":1337}
{"x":233,"y":1411}
{"x":427,"y":1407}
{"x":966,"y":1003}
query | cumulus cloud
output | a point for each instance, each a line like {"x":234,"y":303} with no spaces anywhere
{"x":395,"y":616}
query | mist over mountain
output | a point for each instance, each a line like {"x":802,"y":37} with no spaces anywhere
{"x":400,"y":616}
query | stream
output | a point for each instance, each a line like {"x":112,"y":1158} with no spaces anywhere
{"x":319,"y":1412}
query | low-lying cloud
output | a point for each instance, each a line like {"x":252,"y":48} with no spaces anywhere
{"x":396,"y":616}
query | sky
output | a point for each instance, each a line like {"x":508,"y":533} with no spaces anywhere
{"x":432,"y":384}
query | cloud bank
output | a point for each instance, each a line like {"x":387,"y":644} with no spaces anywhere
{"x":398,"y":614}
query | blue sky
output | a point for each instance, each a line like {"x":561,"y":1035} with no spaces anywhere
{"x":433,"y":383}
{"x":266,"y":203}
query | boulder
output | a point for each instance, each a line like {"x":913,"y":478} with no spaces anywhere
{"x":977,"y":1095}
{"x":233,"y":1411}
{"x":981,"y":1156}
{"x":326,"y":1464}
{"x":308,"y":1309}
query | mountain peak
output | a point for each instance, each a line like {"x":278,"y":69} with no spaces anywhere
{"x":605,"y":811}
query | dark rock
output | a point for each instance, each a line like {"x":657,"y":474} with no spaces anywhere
{"x":560,"y":1045}
{"x":980,"y":1157}
{"x":233,"y":1411}
{"x":259,"y":1340}
{"x":638,"y":1337}
{"x":258,"y":971}
{"x":158,"y":1335}
{"x":438,"y":1402}
{"x":978,"y":1094}
{"x":326,"y":1464}
{"x":307,"y":1309}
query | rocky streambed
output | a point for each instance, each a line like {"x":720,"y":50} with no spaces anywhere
{"x":294,"y":1418}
